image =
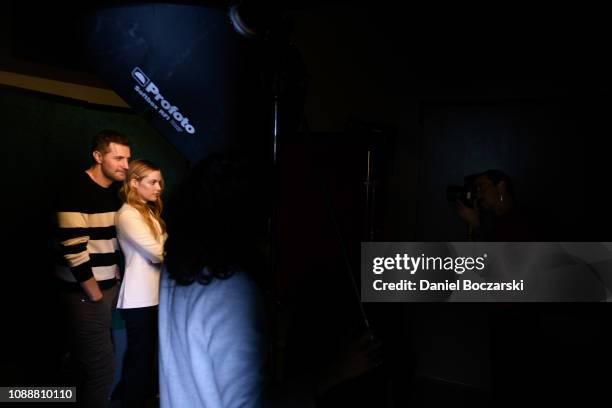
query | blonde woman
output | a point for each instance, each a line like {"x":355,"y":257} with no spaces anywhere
{"x":141,"y":233}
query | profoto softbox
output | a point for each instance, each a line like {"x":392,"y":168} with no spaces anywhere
{"x":185,"y":70}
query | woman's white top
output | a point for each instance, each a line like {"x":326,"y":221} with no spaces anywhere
{"x":212,"y":350}
{"x":143,"y":255}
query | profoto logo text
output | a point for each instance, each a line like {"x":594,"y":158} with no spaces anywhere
{"x":167,"y":111}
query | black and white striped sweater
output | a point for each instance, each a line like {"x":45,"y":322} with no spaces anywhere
{"x":86,"y":232}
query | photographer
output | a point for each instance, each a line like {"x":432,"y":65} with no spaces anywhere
{"x":494,"y":216}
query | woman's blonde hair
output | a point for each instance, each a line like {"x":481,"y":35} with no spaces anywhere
{"x":150,"y":210}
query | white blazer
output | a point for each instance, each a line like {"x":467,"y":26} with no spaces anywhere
{"x":143,"y":254}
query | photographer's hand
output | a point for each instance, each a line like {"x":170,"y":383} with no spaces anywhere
{"x":467,"y":214}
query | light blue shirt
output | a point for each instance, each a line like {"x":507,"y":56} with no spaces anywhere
{"x":211,"y":345}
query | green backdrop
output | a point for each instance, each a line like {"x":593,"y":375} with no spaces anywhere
{"x":43,"y":138}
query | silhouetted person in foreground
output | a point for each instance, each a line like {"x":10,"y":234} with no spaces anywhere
{"x":211,"y":326}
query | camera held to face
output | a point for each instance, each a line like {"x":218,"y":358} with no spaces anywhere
{"x":466,"y":193}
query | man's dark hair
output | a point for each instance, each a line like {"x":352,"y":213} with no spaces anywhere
{"x":105,"y":137}
{"x":217,"y":220}
{"x":497,"y":176}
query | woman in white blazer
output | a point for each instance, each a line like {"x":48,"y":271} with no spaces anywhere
{"x":141,"y":233}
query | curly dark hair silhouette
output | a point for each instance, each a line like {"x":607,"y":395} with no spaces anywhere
{"x":217,"y":220}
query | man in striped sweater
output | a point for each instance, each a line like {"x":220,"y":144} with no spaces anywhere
{"x":89,"y":266}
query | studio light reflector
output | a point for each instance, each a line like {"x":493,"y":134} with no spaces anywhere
{"x":184,"y":68}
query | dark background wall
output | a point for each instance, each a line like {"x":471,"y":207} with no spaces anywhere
{"x":518,"y":93}
{"x":482,"y":92}
{"x":540,"y":143}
